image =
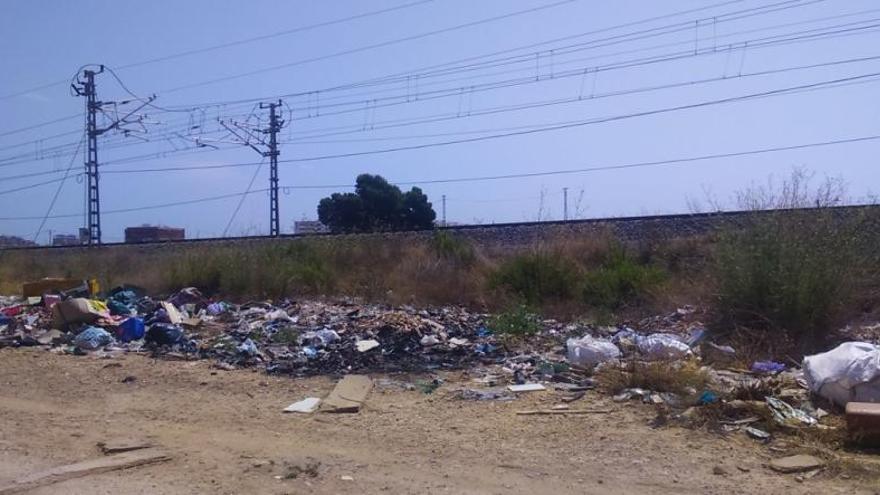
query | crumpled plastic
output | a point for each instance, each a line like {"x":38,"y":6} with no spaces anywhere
{"x":785,"y":414}
{"x":92,"y":338}
{"x":661,"y":346}
{"x":588,"y":351}
{"x":848,"y":373}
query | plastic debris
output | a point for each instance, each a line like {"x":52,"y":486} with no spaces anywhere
{"x":485,"y":394}
{"x":661,"y":346}
{"x":786,"y":415}
{"x":526,"y":387}
{"x":164,"y":334}
{"x":305,"y":406}
{"x":767,"y":367}
{"x":589,"y":352}
{"x":848,"y":373}
{"x":131,"y":329}
{"x":756,"y":433}
{"x":248,"y":348}
{"x":707,"y":397}
{"x":92,"y":338}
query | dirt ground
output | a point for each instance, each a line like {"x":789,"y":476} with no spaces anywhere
{"x":227,"y":434}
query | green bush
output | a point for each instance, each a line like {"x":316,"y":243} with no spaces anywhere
{"x":517,"y":321}
{"x":267,"y":270}
{"x":792,"y":273}
{"x":537,"y":277}
{"x":619,"y":281}
{"x":453,"y":248}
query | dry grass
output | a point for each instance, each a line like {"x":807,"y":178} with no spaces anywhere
{"x":679,"y":377}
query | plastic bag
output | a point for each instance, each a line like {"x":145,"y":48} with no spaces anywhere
{"x":848,"y":373}
{"x":92,"y":338}
{"x":587,"y":351}
{"x":131,"y":329}
{"x":662,"y":346}
{"x":164,"y":334}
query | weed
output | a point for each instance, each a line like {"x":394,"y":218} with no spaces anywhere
{"x":453,"y":248}
{"x":516,"y":322}
{"x":620,"y":280}
{"x":537,"y":277}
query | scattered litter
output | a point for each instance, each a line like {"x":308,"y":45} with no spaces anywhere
{"x":485,"y":394}
{"x":767,"y":367}
{"x":756,"y":433}
{"x":366,"y":345}
{"x":553,"y":412}
{"x":786,"y":415}
{"x":306,"y":406}
{"x":526,"y":387}
{"x":118,"y":446}
{"x":349,"y":394}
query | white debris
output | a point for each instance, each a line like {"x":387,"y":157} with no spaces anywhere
{"x":366,"y":345}
{"x":306,"y":406}
{"x":587,"y":351}
{"x":848,"y":373}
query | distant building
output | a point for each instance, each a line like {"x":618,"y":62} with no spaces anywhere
{"x":14,"y":241}
{"x":309,"y":227}
{"x":153,"y":233}
{"x":66,"y":240}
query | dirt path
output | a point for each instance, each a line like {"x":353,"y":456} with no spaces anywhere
{"x":227,"y":435}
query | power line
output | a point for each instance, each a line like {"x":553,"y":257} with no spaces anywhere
{"x":235,"y":43}
{"x":547,"y":128}
{"x":598,"y":168}
{"x":371,"y":46}
{"x":420,"y":72}
{"x":58,"y":190}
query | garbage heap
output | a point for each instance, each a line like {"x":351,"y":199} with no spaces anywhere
{"x":295,"y":337}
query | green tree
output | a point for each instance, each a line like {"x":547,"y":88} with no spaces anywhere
{"x":376,"y":205}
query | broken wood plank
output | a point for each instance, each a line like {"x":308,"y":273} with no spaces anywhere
{"x":85,"y":468}
{"x":348,"y":395}
{"x":119,"y":446}
{"x":542,"y":412}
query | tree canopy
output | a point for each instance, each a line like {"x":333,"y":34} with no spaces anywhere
{"x":375,"y":205}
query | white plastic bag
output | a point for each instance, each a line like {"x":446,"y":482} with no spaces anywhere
{"x":588,"y":352}
{"x":848,"y":373}
{"x":662,"y":346}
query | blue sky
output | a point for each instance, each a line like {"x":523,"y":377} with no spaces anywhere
{"x":46,"y":41}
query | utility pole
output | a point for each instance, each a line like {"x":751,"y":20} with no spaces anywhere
{"x":444,"y":210}
{"x":270,"y":151}
{"x":93,"y":201}
{"x":274,"y":126}
{"x":565,"y":203}
{"x":86,"y":88}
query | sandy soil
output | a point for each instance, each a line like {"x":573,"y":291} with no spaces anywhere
{"x":227,"y":434}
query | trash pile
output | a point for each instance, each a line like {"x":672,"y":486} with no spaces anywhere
{"x":301,"y":338}
{"x":344,"y":337}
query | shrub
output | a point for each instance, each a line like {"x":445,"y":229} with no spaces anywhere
{"x":537,"y":277}
{"x":517,"y":321}
{"x":452,"y":248}
{"x":790,"y":272}
{"x":620,"y":280}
